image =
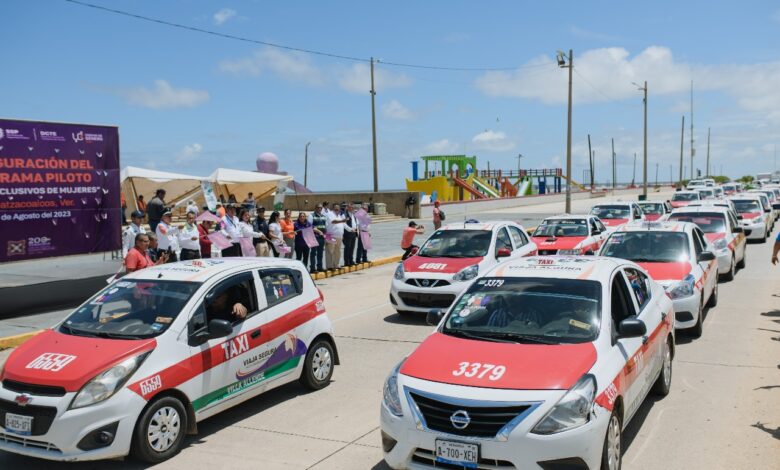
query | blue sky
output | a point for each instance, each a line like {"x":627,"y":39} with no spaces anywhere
{"x":191,"y":102}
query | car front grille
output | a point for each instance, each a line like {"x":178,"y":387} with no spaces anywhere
{"x":485,"y":421}
{"x":428,"y":458}
{"x":24,"y":442}
{"x":427,"y":282}
{"x":42,"y":416}
{"x":548,"y":252}
{"x":33,"y":389}
{"x":424,"y":300}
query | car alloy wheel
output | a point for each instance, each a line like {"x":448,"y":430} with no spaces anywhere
{"x":164,"y":428}
{"x":612,"y":457}
{"x":321,"y":363}
{"x":318,"y":365}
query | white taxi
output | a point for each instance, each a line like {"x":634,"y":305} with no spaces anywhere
{"x":753,"y":216}
{"x":677,"y":256}
{"x":683,"y":198}
{"x":615,"y":214}
{"x":450,"y":259}
{"x":569,"y":235}
{"x":137,"y":366}
{"x":722,"y":230}
{"x":541,"y":363}
{"x":655,"y":210}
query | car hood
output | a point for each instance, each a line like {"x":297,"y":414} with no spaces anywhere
{"x":557,"y":243}
{"x":676,"y":204}
{"x":667,"y":271}
{"x":750,"y":215}
{"x":714,"y":236}
{"x":59,"y":360}
{"x":652,"y":217}
{"x":423,"y":264}
{"x":528,"y":366}
{"x":613,"y":222}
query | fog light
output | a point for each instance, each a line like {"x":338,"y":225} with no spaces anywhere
{"x":101,"y":437}
{"x":388,"y":443}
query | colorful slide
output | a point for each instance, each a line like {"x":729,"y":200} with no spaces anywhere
{"x":468,"y":188}
{"x":525,"y":188}
{"x":485,"y":187}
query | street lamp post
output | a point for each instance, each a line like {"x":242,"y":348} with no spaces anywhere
{"x":644,"y":165}
{"x":306,"y":165}
{"x":562,"y":64}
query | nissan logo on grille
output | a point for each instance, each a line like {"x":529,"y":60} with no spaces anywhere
{"x":425,"y":282}
{"x":460,"y":419}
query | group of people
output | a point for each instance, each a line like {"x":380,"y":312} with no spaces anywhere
{"x":328,"y":232}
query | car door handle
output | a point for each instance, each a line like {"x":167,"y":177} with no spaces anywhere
{"x":255,"y":333}
{"x":644,"y":339}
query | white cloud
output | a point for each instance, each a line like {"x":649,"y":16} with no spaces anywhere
{"x":163,"y":95}
{"x":396,"y":110}
{"x":290,"y":66}
{"x":441,"y":147}
{"x":492,"y":141}
{"x":581,"y":33}
{"x":223,"y":15}
{"x":357,"y":79}
{"x":189,"y":153}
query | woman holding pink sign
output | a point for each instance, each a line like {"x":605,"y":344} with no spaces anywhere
{"x":275,"y":232}
{"x":304,"y":238}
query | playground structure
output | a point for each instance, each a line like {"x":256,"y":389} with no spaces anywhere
{"x":457,"y":178}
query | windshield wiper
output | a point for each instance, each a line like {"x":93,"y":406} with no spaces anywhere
{"x":77,"y":332}
{"x":470,"y":335}
{"x":105,"y":334}
{"x":521,"y":338}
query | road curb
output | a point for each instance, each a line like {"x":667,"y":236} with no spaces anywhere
{"x":14,"y":341}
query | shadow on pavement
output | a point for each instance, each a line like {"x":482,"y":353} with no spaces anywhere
{"x":772,"y":432}
{"x":381,"y":466}
{"x":409,"y":319}
{"x":771,"y":313}
{"x":633,"y":428}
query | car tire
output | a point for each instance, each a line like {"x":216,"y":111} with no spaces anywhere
{"x":160,"y":430}
{"x":318,"y":365}
{"x":743,"y":261}
{"x":697,"y":329}
{"x":713,"y":300}
{"x":729,"y":276}
{"x":611,"y":454}
{"x":663,"y":384}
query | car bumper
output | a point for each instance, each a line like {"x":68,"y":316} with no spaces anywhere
{"x":686,"y":311}
{"x":406,"y":297}
{"x":757,"y":232}
{"x":60,"y":442}
{"x":724,"y":260}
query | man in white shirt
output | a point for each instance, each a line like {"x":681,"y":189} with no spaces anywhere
{"x":334,"y":229}
{"x":128,"y":239}
{"x":192,"y":207}
{"x":350,"y":235}
{"x":167,"y":239}
{"x":231,"y":230}
{"x":189,"y":239}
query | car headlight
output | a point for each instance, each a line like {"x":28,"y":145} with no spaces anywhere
{"x":571,"y":411}
{"x":466,"y":274}
{"x":390,"y":397}
{"x":399,"y":272}
{"x":103,"y":386}
{"x":683,"y":288}
{"x":568,"y":252}
{"x":720,"y":244}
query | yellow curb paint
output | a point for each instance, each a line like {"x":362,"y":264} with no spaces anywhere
{"x":16,"y":340}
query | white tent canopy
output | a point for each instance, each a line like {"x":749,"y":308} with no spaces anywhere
{"x":141,"y":181}
{"x":240,"y":183}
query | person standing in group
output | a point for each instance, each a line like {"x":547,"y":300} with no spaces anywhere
{"x":350,"y":235}
{"x":438,"y":215}
{"x":232,"y":199}
{"x":409,"y":206}
{"x":153,"y":250}
{"x":138,"y":256}
{"x":189,"y":239}
{"x":203,"y":238}
{"x":275,"y":233}
{"x":262,"y":245}
{"x":231,"y":232}
{"x":335,"y":231}
{"x":220,"y":210}
{"x":301,"y":247}
{"x":155,"y":209}
{"x":362,"y":253}
{"x":249,"y":203}
{"x":288,"y":231}
{"x":407,"y":240}
{"x":141,"y":204}
{"x":319,"y":222}
{"x":167,"y":236}
{"x":326,"y":208}
{"x":246,"y":229}
{"x":128,"y":240}
{"x":192,"y":207}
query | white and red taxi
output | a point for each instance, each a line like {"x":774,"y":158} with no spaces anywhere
{"x":133,"y":370}
{"x":450,"y":259}
{"x":541,"y":363}
{"x":677,"y":256}
{"x":655,"y":210}
{"x":569,"y":235}
{"x":615,"y":214}
{"x":683,"y":198}
{"x":722,"y":230}
{"x":753,"y":216}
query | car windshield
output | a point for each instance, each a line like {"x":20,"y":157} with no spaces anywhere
{"x":528,"y":310}
{"x":457,"y":244}
{"x":652,"y":208}
{"x":685,"y":197}
{"x":648,"y":247}
{"x":747,"y":206}
{"x":611,"y":212}
{"x":130,"y":309}
{"x":562,"y":228}
{"x":707,"y":222}
{"x":706,"y":192}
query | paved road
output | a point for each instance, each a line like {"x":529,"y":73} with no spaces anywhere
{"x":723,"y":411}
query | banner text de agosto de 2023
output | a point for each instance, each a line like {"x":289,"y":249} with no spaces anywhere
{"x":59,"y":189}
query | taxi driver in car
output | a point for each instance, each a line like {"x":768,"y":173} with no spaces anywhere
{"x":228,"y":305}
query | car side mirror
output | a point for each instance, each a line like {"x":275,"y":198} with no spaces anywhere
{"x":747,"y":231}
{"x":434,"y":316}
{"x":776,"y":206}
{"x":596,"y":231}
{"x":705,"y":256}
{"x":767,"y":210}
{"x":631,"y":328}
{"x":740,"y":217}
{"x":216,"y":329}
{"x":738,"y":230}
{"x":503,"y":253}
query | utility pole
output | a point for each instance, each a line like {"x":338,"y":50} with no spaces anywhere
{"x":562,"y":63}
{"x":590,"y":161}
{"x":682,"y":140}
{"x":519,"y":156}
{"x":671,"y":175}
{"x":614,"y":169}
{"x":708,"y":152}
{"x":373,"y":125}
{"x":306,"y":165}
{"x":644,"y":165}
{"x":656,"y":174}
{"x":633,"y":175}
{"x":693,"y":150}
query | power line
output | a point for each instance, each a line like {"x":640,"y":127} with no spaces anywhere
{"x":615,"y":100}
{"x":291,"y":48}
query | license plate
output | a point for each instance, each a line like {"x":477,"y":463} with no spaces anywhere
{"x":18,"y":424}
{"x":457,"y":453}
